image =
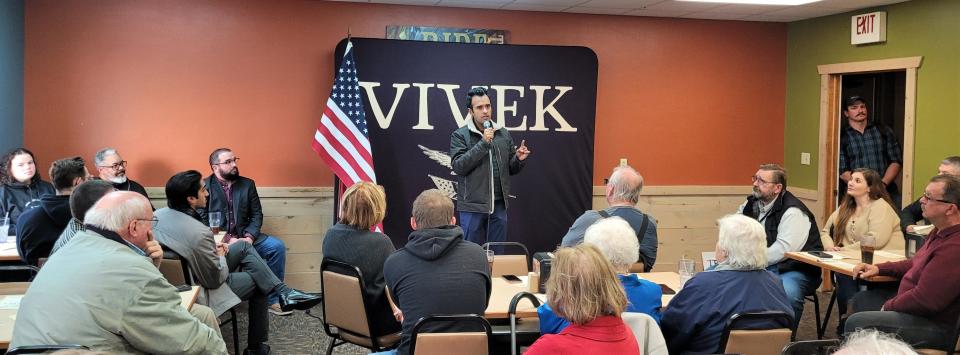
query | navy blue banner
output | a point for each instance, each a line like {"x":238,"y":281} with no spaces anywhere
{"x":415,"y":96}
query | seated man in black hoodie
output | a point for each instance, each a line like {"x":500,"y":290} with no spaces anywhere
{"x":437,"y":272}
{"x":39,"y":228}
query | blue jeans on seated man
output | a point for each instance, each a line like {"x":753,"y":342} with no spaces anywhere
{"x":274,"y":252}
{"x":797,"y":285}
{"x":475,"y":225}
{"x":919,"y":332}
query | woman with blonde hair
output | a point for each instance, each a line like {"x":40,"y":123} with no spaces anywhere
{"x":866,"y":208}
{"x":351,"y":240}
{"x":583,"y":288}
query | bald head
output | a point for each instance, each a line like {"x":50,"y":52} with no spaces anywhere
{"x":125,"y":212}
{"x":624,"y":186}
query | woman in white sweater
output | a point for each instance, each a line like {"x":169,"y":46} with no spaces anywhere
{"x":866,"y":208}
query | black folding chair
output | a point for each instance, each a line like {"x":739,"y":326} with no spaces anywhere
{"x":811,"y":347}
{"x":453,"y":342}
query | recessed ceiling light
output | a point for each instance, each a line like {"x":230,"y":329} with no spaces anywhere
{"x":758,"y":2}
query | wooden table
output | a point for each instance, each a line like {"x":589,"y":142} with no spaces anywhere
{"x":843,"y":263}
{"x":502,"y":293}
{"x":8,"y":316}
{"x":8,"y":250}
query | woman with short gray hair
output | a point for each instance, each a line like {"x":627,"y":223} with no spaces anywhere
{"x":739,"y":283}
{"x":617,"y":242}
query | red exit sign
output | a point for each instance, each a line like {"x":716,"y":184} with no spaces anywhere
{"x":868,"y":28}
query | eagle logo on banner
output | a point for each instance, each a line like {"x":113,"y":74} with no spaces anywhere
{"x":448,"y":187}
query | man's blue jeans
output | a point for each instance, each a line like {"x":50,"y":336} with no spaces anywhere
{"x":475,"y":225}
{"x":797,"y":285}
{"x":274,"y":252}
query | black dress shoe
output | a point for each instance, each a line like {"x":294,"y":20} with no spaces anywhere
{"x":263,"y":349}
{"x":293,"y":299}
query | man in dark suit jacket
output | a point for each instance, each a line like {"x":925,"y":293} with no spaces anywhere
{"x":235,"y":197}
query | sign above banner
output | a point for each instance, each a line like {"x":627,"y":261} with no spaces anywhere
{"x":415,"y":97}
{"x":446,"y":34}
{"x":868,"y":28}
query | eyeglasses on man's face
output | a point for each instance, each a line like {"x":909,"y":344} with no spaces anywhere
{"x":115,"y":166}
{"x":229,"y":161}
{"x":153,"y":221}
{"x":758,"y":179}
{"x":926,"y":196}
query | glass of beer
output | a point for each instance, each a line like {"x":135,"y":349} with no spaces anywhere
{"x":867,"y":245}
{"x":215,"y":220}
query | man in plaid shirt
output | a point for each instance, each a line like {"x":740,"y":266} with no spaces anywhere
{"x":864,"y":144}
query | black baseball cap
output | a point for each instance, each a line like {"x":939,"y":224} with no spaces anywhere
{"x":852,"y":100}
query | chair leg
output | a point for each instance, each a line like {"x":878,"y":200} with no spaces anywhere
{"x":333,"y":343}
{"x":816,"y":310}
{"x":826,"y":316}
{"x":236,"y":332}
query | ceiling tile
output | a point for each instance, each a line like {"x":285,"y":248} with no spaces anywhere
{"x":529,"y":7}
{"x":620,"y":4}
{"x":657,"y":13}
{"x":406,"y":2}
{"x":483,"y":4}
{"x":805,"y":11}
{"x":566,"y":3}
{"x":682,"y":5}
{"x":744,"y":9}
{"x":707,"y":15}
{"x":596,"y":10}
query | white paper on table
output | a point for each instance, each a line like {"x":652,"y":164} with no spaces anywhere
{"x":11,"y":302}
{"x":887,"y":254}
{"x":923,"y":230}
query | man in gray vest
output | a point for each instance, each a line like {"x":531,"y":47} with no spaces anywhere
{"x":790,"y":227}
{"x":623,"y":193}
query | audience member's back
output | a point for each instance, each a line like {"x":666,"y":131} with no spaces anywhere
{"x":437,"y":272}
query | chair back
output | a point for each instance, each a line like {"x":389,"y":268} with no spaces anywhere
{"x":344,"y":312}
{"x":913,"y":243}
{"x":650,"y":340}
{"x":170,"y":254}
{"x":460,"y":343}
{"x":512,"y":312}
{"x":811,"y":347}
{"x":743,"y":335}
{"x":509,"y":264}
{"x":40,"y":349}
{"x":172,"y":270}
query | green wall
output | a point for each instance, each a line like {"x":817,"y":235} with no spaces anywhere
{"x":927,"y":28}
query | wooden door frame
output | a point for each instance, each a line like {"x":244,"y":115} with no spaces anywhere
{"x":830,"y":76}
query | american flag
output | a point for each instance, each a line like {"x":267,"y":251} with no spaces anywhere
{"x":341,"y":138}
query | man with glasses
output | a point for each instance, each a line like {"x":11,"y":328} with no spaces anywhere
{"x":913,"y":213}
{"x":235,"y":197}
{"x":790,"y":227}
{"x":865,"y":144}
{"x":103,"y":290}
{"x":111,"y":167}
{"x":925,"y":308}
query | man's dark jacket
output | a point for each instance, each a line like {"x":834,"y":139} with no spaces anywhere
{"x":246,"y":206}
{"x":39,"y":228}
{"x":471,"y":157}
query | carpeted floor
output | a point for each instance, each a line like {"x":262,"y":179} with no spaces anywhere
{"x":301,"y":334}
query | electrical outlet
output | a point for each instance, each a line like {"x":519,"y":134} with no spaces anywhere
{"x":805,"y":158}
{"x":623,"y":161}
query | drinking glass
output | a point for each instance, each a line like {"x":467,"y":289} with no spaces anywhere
{"x":686,"y":269}
{"x":4,"y":229}
{"x":867,"y":245}
{"x":215,"y":218}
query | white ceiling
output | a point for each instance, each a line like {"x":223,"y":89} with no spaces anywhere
{"x":661,"y":8}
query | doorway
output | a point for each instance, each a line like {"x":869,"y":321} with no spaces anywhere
{"x":831,"y":92}
{"x":884,"y":95}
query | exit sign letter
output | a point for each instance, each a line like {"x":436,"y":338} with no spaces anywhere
{"x":868,"y":28}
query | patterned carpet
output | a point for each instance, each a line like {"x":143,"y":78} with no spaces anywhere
{"x":302,"y":334}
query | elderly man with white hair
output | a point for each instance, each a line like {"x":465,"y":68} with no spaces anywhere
{"x":103,"y":290}
{"x":740,"y":283}
{"x":617,"y":242}
{"x":623,"y":193}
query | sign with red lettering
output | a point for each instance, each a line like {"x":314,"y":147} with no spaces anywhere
{"x":868,"y":28}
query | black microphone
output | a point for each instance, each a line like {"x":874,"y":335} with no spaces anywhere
{"x":487,"y":124}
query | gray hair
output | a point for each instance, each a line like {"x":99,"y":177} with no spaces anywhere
{"x":744,"y":241}
{"x":118,"y":216}
{"x":616,"y":240}
{"x":626,"y":183}
{"x":871,"y":341}
{"x":952,"y":160}
{"x":102,"y":154}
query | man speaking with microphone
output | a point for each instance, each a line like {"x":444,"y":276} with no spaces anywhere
{"x":484,"y":157}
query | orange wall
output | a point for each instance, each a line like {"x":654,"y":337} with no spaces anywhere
{"x":688,"y":102}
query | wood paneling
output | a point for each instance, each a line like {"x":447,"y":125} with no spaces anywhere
{"x":686,"y":221}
